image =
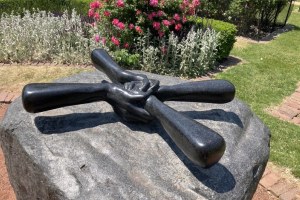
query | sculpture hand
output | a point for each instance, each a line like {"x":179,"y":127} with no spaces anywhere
{"x":128,"y":102}
{"x":140,"y":80}
{"x":151,"y":87}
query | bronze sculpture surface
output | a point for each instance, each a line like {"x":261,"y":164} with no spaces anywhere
{"x":136,"y":98}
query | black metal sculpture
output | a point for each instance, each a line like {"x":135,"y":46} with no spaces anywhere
{"x":134,"y":97}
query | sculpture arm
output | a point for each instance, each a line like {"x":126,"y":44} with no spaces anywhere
{"x":104,"y":62}
{"x":39,"y":97}
{"x":210,"y":91}
{"x":199,"y":143}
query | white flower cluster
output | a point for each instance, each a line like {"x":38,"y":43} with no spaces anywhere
{"x":190,"y":57}
{"x":42,"y":37}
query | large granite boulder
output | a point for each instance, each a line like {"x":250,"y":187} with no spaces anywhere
{"x":87,"y":152}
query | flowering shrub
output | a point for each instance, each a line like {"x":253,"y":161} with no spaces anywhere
{"x":159,"y":42}
{"x":120,"y":21}
{"x":155,"y":35}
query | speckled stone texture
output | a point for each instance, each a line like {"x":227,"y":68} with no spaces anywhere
{"x":87,"y":152}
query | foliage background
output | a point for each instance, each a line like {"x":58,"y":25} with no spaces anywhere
{"x":255,"y":15}
{"x":267,"y":75}
{"x":55,"y":6}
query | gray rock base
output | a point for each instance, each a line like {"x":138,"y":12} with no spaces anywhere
{"x":86,"y":152}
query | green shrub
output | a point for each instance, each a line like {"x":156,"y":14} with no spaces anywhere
{"x":226,"y":38}
{"x":260,"y":13}
{"x":246,"y":14}
{"x":54,"y":6}
{"x":192,"y":56}
{"x":42,"y":37}
{"x":124,"y":58}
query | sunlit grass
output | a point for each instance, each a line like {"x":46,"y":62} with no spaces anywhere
{"x":13,"y":78}
{"x":271,"y":73}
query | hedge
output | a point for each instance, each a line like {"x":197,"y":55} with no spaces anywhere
{"x":227,"y":32}
{"x":54,"y":6}
{"x":245,"y":14}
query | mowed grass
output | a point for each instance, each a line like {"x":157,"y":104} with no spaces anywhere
{"x":270,"y":73}
{"x":13,"y":78}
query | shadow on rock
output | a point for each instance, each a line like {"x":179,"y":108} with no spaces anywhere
{"x":218,"y":178}
{"x":215,"y":115}
{"x":78,"y":121}
{"x":72,"y":122}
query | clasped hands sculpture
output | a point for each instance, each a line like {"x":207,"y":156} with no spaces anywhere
{"x":136,"y":98}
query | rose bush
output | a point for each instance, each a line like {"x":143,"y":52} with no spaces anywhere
{"x":155,"y":35}
{"x":119,"y":22}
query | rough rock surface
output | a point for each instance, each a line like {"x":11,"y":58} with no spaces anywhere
{"x":86,"y":152}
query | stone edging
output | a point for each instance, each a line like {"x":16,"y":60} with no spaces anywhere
{"x":6,"y":97}
{"x":275,"y":183}
{"x":289,"y":109}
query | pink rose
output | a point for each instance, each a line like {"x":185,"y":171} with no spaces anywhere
{"x":115,"y":41}
{"x":97,"y":16}
{"x":154,"y":3}
{"x":131,"y":26}
{"x":115,"y":22}
{"x":120,"y":3}
{"x":97,"y":38}
{"x":126,"y":45}
{"x":178,"y":27}
{"x":176,"y":17}
{"x":185,"y":2}
{"x":196,"y":3}
{"x":91,"y":12}
{"x":184,"y":19}
{"x":106,"y":13}
{"x":121,"y":25}
{"x":156,"y":25}
{"x":138,"y":29}
{"x":166,"y":22}
{"x":160,"y":13}
{"x":95,"y":5}
{"x":191,"y":10}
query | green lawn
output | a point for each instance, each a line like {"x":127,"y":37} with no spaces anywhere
{"x":270,"y":73}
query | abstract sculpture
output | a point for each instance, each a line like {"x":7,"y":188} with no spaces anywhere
{"x":136,"y":98}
